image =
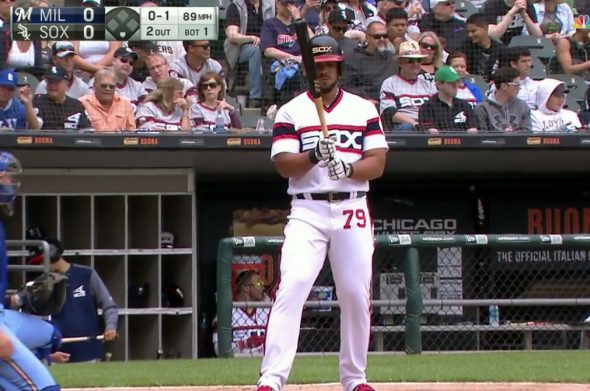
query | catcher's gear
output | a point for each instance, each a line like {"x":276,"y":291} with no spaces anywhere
{"x":45,"y":295}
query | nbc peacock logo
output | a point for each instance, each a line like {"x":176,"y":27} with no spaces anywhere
{"x":582,"y":22}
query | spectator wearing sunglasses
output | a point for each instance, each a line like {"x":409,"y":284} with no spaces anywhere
{"x":196,"y":62}
{"x":367,"y":66}
{"x":209,"y":102}
{"x":123,"y":61}
{"x":248,"y":324}
{"x":435,"y":58}
{"x":165,"y":109}
{"x":402,"y":94}
{"x":443,"y":20}
{"x":107,"y":110}
{"x":502,"y":111}
{"x":62,"y":54}
{"x":338,"y":25}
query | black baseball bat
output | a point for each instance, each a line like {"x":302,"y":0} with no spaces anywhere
{"x":301,"y":30}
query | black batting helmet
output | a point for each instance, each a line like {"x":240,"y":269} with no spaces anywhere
{"x":325,"y":48}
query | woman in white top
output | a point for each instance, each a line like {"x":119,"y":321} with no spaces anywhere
{"x":210,"y":105}
{"x":164,"y":109}
{"x":555,"y":18}
{"x":24,"y":54}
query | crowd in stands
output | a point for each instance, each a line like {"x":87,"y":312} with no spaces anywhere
{"x":428,"y":65}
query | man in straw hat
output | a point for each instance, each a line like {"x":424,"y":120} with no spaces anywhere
{"x":402,"y":94}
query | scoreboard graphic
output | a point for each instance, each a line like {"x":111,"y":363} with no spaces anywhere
{"x":114,"y":24}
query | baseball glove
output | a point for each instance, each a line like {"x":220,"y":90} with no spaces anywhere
{"x":46,"y":294}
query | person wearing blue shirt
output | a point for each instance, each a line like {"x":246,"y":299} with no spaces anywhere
{"x":19,"y":368}
{"x":15,"y":114}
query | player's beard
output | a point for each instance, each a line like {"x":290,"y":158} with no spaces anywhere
{"x":328,"y":88}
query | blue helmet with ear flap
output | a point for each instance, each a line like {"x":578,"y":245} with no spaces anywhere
{"x":10,"y":168}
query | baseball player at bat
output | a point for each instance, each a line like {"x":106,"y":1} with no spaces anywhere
{"x":19,"y":368}
{"x":328,"y":182}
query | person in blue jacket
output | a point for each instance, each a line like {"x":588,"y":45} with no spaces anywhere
{"x":19,"y":368}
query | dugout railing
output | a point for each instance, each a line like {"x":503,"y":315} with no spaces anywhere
{"x":434,"y":293}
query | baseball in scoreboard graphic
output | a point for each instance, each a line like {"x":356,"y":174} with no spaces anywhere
{"x":114,"y":24}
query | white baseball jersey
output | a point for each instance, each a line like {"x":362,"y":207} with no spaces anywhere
{"x":244,"y":326}
{"x":171,"y":50}
{"x":465,"y":94}
{"x":203,"y":118}
{"x":188,"y":88}
{"x":151,"y":117}
{"x":404,"y":95}
{"x":353,"y":120}
{"x":76,"y":88}
{"x":184,"y":70}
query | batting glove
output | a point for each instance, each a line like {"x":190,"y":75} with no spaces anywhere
{"x":338,"y":169}
{"x":325,"y":150}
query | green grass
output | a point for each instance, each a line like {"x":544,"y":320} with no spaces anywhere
{"x":553,"y":366}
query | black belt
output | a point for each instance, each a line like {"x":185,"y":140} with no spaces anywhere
{"x":330,"y":196}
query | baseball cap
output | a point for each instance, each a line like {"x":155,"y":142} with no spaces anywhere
{"x":434,"y":3}
{"x":410,"y":49}
{"x":323,"y":3}
{"x":62,"y":49}
{"x":91,"y":2}
{"x":8,"y":78}
{"x":167,"y":240}
{"x":56,"y":73}
{"x":125,"y":52}
{"x":340,"y":15}
{"x":143,"y":45}
{"x":446,"y":74}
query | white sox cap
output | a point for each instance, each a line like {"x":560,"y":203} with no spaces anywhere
{"x":167,"y":240}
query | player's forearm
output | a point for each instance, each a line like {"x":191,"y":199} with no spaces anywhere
{"x":369,"y":167}
{"x":293,"y":165}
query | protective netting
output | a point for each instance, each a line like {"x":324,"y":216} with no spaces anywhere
{"x":520,"y":280}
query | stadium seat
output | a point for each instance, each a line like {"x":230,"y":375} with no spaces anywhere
{"x":539,"y":71}
{"x":572,"y":104}
{"x":478,"y":81}
{"x":465,"y":8}
{"x":540,"y":46}
{"x":575,"y":84}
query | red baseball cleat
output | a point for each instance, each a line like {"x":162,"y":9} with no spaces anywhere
{"x":363,"y":387}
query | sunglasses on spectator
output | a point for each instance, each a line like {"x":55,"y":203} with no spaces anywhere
{"x":414,"y":60}
{"x":211,"y":85}
{"x":204,"y":46}
{"x":126,"y":60}
{"x":425,"y":45}
{"x":105,"y":86}
{"x":379,"y":36}
{"x":340,"y":29}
